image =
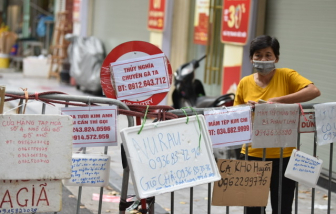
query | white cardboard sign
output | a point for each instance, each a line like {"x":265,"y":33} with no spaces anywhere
{"x":169,"y":155}
{"x":93,"y":126}
{"x":229,"y":127}
{"x":89,"y":170}
{"x":30,"y":196}
{"x":143,"y":76}
{"x":35,"y":146}
{"x":303,"y":168}
{"x":325,"y":116}
{"x":275,"y":125}
{"x":307,"y":122}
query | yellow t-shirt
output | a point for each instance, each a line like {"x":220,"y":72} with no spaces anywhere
{"x":285,"y":81}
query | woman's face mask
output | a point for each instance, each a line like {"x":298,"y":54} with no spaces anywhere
{"x":264,"y":67}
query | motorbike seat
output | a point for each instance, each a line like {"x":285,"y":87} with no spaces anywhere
{"x":215,"y":101}
{"x":205,"y":101}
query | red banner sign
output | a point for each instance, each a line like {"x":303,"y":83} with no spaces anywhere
{"x":235,"y":21}
{"x":201,"y":22}
{"x":156,"y":15}
{"x":231,"y":78}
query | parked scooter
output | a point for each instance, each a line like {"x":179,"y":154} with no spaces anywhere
{"x":190,"y":92}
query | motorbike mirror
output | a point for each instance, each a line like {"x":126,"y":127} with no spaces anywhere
{"x":196,"y":62}
{"x":203,"y":57}
{"x":187,"y":70}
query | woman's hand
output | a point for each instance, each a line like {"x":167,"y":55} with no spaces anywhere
{"x":252,"y":103}
{"x":274,"y":100}
{"x":306,"y":94}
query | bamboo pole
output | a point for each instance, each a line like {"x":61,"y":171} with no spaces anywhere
{"x":2,"y":97}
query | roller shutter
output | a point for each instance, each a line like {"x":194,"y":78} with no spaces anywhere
{"x":306,"y":30}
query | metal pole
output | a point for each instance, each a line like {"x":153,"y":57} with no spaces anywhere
{"x":125,"y":178}
{"x":209,"y":198}
{"x":246,"y":158}
{"x":101,"y":189}
{"x":330,"y":176}
{"x":262,"y":211}
{"x":296,"y":183}
{"x":172,"y":202}
{"x":80,"y":192}
{"x":280,"y":180}
{"x":313,"y":189}
{"x":191,"y":200}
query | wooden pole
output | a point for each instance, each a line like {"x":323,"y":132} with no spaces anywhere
{"x":2,"y":97}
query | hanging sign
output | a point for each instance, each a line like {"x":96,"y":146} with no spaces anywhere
{"x":243,"y":183}
{"x":159,"y":70}
{"x":30,"y":196}
{"x":235,"y":21}
{"x":229,"y":127}
{"x":169,"y":155}
{"x":140,"y":77}
{"x":275,"y":125}
{"x":89,"y":170}
{"x":35,"y":146}
{"x":325,"y":116}
{"x":303,"y":168}
{"x":93,"y":126}
{"x":201,"y":20}
{"x":156,"y":15}
{"x":307,"y":122}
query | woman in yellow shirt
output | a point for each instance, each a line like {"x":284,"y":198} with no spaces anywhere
{"x":276,"y":85}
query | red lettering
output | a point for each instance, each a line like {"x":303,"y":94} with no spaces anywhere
{"x":17,"y":197}
{"x":42,"y":199}
{"x":33,"y":195}
{"x":9,"y":199}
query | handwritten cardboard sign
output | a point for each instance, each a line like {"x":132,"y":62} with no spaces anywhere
{"x":93,"y":126}
{"x":89,"y":170}
{"x":35,"y":146}
{"x":275,"y":125}
{"x":243,"y":183}
{"x":169,"y":155}
{"x":30,"y":196}
{"x":325,"y":116}
{"x":303,"y":168}
{"x":229,"y":127}
{"x":139,"y":77}
{"x":307,"y":123}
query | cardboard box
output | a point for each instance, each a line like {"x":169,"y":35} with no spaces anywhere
{"x":36,"y":66}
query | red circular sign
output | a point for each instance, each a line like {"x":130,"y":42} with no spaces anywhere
{"x":129,"y":48}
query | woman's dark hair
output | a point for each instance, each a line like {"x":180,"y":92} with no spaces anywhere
{"x":265,"y":41}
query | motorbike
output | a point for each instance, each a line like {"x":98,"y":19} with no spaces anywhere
{"x":189,"y":92}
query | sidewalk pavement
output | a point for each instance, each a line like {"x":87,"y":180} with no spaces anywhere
{"x":15,"y":80}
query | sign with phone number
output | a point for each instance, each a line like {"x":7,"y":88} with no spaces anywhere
{"x":275,"y":125}
{"x":140,"y":76}
{"x":229,"y":127}
{"x":243,"y":183}
{"x":93,"y":126}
